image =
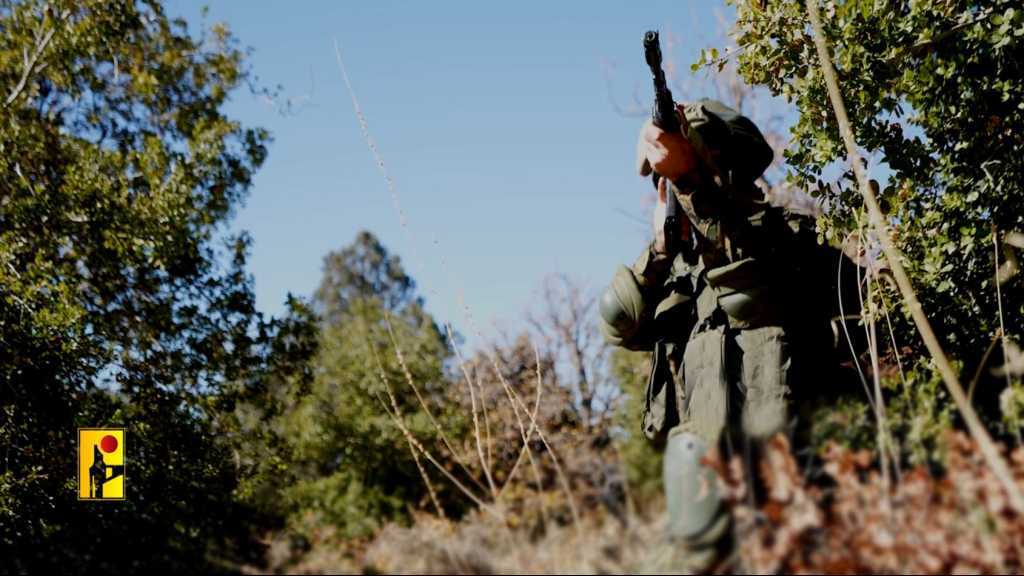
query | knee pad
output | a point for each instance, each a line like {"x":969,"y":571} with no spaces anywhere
{"x":691,"y":489}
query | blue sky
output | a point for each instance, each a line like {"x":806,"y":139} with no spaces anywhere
{"x":494,"y":120}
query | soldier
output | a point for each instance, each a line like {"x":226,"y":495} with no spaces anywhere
{"x":716,"y":316}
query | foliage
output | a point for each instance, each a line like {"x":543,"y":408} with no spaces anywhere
{"x":642,"y":460}
{"x":920,"y":413}
{"x":849,"y":422}
{"x":121,"y":302}
{"x":348,"y":463}
{"x":252,"y":427}
{"x":935,"y":92}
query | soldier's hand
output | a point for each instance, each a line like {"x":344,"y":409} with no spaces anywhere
{"x":659,"y":219}
{"x":668,"y":154}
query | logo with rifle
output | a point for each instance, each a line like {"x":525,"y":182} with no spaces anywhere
{"x":101,"y":460}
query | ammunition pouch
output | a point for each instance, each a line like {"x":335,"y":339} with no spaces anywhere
{"x":742,"y":291}
{"x":674,"y":314}
{"x":661,"y":411}
{"x":674,"y":317}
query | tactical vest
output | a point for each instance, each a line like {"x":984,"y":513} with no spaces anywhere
{"x":757,"y":289}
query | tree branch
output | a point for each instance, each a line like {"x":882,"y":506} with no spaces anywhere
{"x":30,"y":62}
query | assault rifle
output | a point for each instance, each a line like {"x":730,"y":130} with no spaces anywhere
{"x":664,"y":117}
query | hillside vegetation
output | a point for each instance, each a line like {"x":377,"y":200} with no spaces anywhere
{"x":355,"y":432}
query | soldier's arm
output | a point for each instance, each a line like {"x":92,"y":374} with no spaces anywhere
{"x":628,"y":303}
{"x":715,"y":133}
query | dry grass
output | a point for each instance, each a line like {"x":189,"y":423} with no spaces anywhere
{"x":846,"y":522}
{"x":479,"y":544}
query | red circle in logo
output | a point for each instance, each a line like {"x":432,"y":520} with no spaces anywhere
{"x":108,"y":444}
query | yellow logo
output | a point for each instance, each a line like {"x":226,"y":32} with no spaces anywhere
{"x":101,"y":463}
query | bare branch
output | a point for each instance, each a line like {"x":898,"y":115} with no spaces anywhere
{"x":484,"y":462}
{"x":426,"y":409}
{"x":31,"y":63}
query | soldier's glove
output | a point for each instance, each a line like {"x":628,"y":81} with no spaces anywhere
{"x":671,"y":148}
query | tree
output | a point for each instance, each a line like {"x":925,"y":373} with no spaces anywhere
{"x":566,"y":322}
{"x":934,"y":91}
{"x":122,"y":303}
{"x":353,"y":469}
{"x":253,"y":426}
{"x":362,"y":270}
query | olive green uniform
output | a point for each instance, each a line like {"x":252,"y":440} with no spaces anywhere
{"x":716,"y":321}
